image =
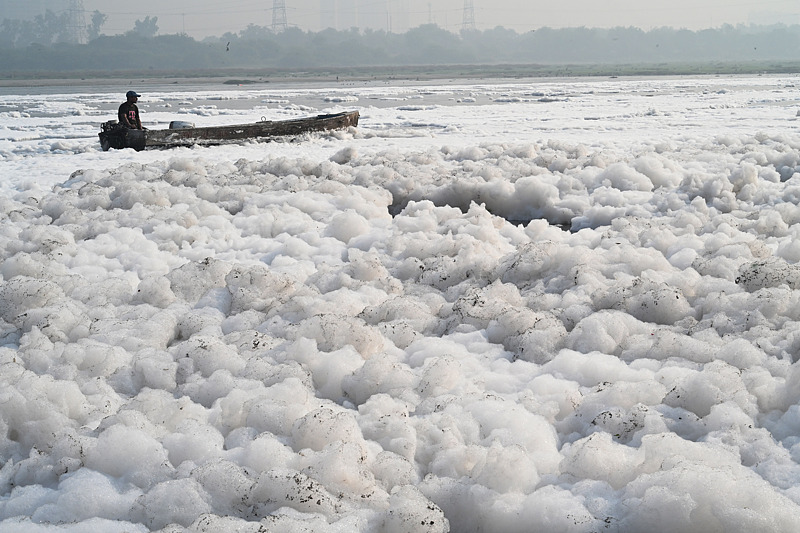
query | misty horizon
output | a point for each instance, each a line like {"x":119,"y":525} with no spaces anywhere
{"x":205,"y":18}
{"x":48,"y":43}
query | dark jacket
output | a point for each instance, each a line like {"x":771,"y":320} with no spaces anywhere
{"x":128,"y":116}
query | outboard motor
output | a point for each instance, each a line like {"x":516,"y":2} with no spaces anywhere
{"x":115,"y":135}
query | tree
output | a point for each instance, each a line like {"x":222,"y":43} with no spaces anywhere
{"x":146,"y":28}
{"x":255,"y":33}
{"x":429,"y":43}
{"x":98,"y":19}
{"x":50,"y":28}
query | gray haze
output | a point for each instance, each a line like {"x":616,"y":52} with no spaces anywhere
{"x":201,"y":18}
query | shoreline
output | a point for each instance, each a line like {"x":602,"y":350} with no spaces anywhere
{"x":427,"y":73}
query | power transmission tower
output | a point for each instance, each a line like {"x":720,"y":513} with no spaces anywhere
{"x":279,"y":16}
{"x":469,"y":16}
{"x":76,"y":31}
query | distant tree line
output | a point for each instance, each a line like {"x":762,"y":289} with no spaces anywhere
{"x":45,"y":29}
{"x":40,"y":45}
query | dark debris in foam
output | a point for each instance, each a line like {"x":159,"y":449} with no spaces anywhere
{"x":397,"y":207}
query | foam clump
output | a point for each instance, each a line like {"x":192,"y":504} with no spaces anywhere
{"x":473,"y":338}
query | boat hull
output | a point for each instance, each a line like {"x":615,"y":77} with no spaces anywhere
{"x":115,"y":136}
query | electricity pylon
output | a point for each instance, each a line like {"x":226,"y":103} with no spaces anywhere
{"x":468,"y":22}
{"x":76,"y":23}
{"x":279,"y":16}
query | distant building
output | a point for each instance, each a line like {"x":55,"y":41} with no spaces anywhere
{"x":348,"y":14}
{"x":768,"y":18}
{"x":338,"y":14}
{"x":327,"y":14}
{"x":374,"y":14}
{"x":401,"y":22}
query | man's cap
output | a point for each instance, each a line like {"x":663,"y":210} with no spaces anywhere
{"x":132,"y":93}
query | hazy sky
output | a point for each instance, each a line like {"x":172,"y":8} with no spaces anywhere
{"x":200,"y":18}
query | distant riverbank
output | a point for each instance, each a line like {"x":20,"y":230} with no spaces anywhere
{"x":386,"y":73}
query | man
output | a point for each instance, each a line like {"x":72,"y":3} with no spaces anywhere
{"x":128,"y":114}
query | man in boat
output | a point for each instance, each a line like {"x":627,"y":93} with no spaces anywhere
{"x":128,"y":114}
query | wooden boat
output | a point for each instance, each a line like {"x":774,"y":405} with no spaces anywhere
{"x":114,"y":135}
